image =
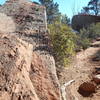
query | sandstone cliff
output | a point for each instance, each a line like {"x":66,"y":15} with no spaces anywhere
{"x":80,"y":21}
{"x":27,"y":66}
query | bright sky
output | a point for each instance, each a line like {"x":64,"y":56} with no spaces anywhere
{"x":68,"y":7}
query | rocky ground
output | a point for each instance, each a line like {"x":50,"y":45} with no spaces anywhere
{"x":83,"y":72}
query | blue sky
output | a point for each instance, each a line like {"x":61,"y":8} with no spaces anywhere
{"x":68,"y":7}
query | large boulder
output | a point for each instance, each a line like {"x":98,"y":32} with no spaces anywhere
{"x":83,"y":21}
{"x":15,"y":61}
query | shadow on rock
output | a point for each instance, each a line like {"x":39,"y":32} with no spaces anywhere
{"x":96,"y":56}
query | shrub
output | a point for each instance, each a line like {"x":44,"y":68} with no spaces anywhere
{"x":63,"y":42}
{"x":87,"y":35}
{"x":85,"y":43}
{"x":82,"y":43}
{"x":92,"y":32}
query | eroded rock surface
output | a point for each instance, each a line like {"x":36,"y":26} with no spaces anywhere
{"x":42,"y":81}
{"x":15,"y":61}
{"x":6,"y":23}
{"x":29,"y":67}
{"x":26,"y":15}
{"x":23,"y":74}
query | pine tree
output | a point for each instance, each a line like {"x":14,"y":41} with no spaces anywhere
{"x":65,"y":20}
{"x":92,"y":8}
{"x":94,"y":5}
{"x":52,"y":10}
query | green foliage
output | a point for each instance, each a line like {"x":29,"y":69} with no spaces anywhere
{"x":93,"y":7}
{"x":52,"y":10}
{"x":82,"y":43}
{"x":97,"y":30}
{"x":92,"y":32}
{"x":65,"y":19}
{"x":85,"y":43}
{"x":62,"y":37}
{"x":62,"y":42}
{"x":87,"y":35}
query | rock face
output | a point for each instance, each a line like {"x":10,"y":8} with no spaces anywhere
{"x":6,"y":24}
{"x":26,"y":15}
{"x":83,"y":21}
{"x":23,"y":75}
{"x":42,"y":81}
{"x":29,"y":71}
{"x":15,"y":61}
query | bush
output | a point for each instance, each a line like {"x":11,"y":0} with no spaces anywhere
{"x":63,"y":43}
{"x":92,"y":32}
{"x":85,"y":43}
{"x":87,"y":35}
{"x":97,"y":30}
{"x":82,"y":43}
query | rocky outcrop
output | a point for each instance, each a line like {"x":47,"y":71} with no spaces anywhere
{"x":15,"y":61}
{"x":29,"y":67}
{"x":26,"y":15}
{"x":23,"y":74}
{"x":83,"y":21}
{"x":42,"y":81}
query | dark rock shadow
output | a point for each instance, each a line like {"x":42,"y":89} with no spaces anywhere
{"x":95,"y":45}
{"x":85,"y":94}
{"x":96,"y":56}
{"x":42,"y":48}
{"x":96,"y":71}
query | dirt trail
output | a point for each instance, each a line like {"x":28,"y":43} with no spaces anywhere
{"x":80,"y":71}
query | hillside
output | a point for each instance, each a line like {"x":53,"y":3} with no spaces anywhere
{"x":82,"y":73}
{"x":82,"y":20}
